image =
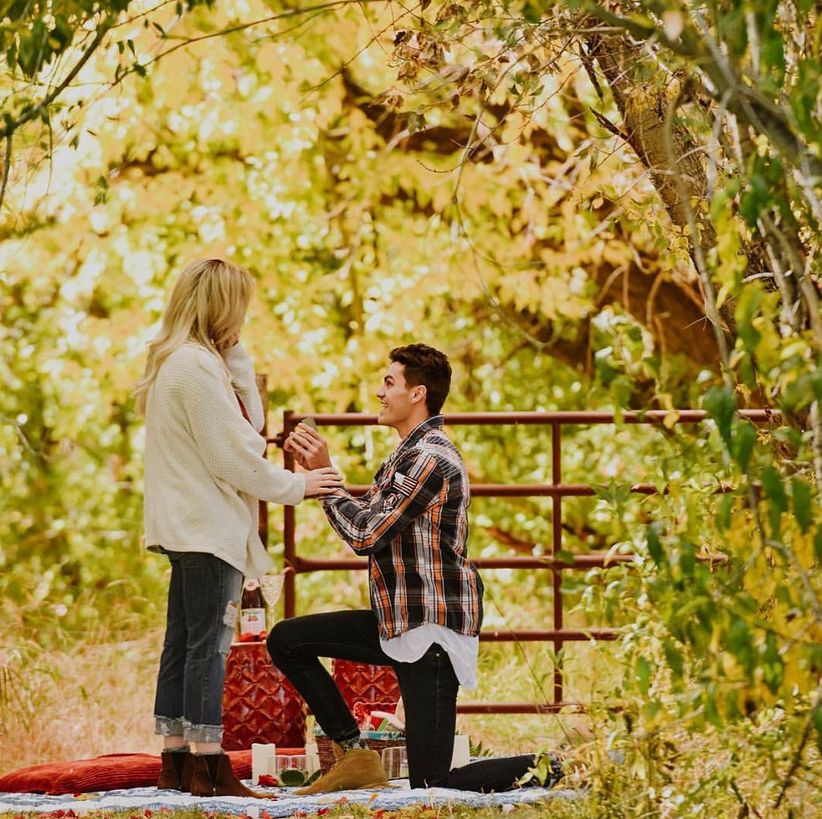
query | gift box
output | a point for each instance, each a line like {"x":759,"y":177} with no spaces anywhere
{"x":369,"y":684}
{"x":259,"y":703}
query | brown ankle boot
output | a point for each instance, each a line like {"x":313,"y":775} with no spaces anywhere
{"x":175,"y":774}
{"x":211,"y":775}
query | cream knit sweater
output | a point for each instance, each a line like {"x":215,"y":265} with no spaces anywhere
{"x":204,"y":469}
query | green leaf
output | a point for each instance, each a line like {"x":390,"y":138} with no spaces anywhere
{"x":720,"y":404}
{"x":747,"y":309}
{"x":773,"y":669}
{"x":415,"y":122}
{"x":743,"y":444}
{"x":733,"y":29}
{"x":798,"y":394}
{"x":711,"y":711}
{"x":621,"y":390}
{"x":654,"y":544}
{"x":292,"y":777}
{"x":802,"y":496}
{"x":565,"y":556}
{"x":754,"y":200}
{"x":62,"y":32}
{"x":687,"y":557}
{"x":740,"y":643}
{"x":817,"y":723}
{"x":773,"y":53}
{"x":775,"y":489}
{"x":673,"y":657}
{"x":643,"y":674}
{"x":723,"y":511}
{"x":803,"y":99}
{"x":532,"y":13}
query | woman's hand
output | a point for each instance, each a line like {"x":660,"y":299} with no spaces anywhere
{"x":325,"y":481}
{"x":232,"y":341}
{"x":309,"y":447}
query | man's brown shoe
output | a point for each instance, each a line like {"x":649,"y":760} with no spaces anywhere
{"x":357,"y":768}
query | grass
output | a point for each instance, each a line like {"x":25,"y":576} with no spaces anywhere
{"x":546,"y":810}
{"x":96,"y":697}
{"x":93,"y":693}
{"x":93,"y":697}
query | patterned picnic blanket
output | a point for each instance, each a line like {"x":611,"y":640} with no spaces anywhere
{"x":282,"y":802}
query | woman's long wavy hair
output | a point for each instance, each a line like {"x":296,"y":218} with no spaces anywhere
{"x":207,"y":306}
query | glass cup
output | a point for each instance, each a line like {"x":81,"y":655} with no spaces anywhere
{"x":291,"y":771}
{"x":283,"y":762}
{"x":271,"y":586}
{"x":395,"y":762}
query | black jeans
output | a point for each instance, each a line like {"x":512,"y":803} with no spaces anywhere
{"x":429,"y":692}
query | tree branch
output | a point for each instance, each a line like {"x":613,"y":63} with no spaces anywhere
{"x":30,"y":113}
{"x":6,"y":169}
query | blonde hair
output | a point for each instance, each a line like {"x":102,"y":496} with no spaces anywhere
{"x":207,"y":305}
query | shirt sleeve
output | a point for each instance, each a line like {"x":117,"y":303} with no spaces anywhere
{"x":231,"y":450}
{"x":370,"y":524}
{"x":243,"y":380}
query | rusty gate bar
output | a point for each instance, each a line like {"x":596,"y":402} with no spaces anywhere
{"x":294,"y":564}
{"x":556,"y":547}
{"x":590,"y":561}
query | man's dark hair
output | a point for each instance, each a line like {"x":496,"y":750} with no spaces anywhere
{"x":427,"y":367}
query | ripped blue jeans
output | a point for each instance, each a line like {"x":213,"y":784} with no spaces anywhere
{"x":203,"y":602}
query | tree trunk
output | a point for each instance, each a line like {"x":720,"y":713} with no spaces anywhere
{"x":672,"y":311}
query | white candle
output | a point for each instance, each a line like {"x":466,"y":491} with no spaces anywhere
{"x":262,"y":760}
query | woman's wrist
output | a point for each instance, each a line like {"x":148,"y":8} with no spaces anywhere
{"x":238,"y":361}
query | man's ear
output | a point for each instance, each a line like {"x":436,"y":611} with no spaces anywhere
{"x":420,"y":392}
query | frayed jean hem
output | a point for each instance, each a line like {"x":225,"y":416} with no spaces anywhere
{"x":169,"y":726}
{"x":203,"y":733}
{"x":179,"y":727}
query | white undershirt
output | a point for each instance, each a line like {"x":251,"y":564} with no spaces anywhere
{"x":462,"y":649}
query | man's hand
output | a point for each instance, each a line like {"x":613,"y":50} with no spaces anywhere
{"x":309,"y":447}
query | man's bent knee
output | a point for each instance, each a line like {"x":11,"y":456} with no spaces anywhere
{"x":278,"y":640}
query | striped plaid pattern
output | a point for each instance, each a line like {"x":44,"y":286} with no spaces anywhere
{"x":413,"y":525}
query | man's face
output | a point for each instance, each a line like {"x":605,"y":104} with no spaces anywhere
{"x":396,"y":397}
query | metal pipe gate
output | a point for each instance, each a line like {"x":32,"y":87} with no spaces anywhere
{"x":295,"y":564}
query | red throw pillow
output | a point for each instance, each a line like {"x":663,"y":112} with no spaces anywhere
{"x":107,"y":773}
{"x":103,"y":773}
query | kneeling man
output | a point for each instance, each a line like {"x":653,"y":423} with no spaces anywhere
{"x":426,"y":595}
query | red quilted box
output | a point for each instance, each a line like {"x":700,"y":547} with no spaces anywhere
{"x":259,"y":703}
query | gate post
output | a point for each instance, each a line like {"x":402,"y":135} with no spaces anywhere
{"x":556,"y":548}
{"x":289,"y":537}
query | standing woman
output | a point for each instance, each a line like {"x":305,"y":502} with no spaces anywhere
{"x":204,"y":474}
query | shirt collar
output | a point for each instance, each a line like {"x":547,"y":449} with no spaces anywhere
{"x":432,"y":422}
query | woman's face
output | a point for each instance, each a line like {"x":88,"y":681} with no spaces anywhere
{"x":231,"y":335}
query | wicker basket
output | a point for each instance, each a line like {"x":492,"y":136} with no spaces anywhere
{"x":377,"y":741}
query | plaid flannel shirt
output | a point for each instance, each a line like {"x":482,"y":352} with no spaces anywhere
{"x":413,"y":525}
